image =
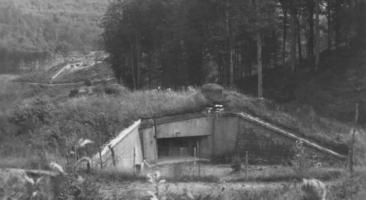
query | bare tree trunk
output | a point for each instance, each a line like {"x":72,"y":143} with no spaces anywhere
{"x":284,"y":35}
{"x":293,"y":39}
{"x":336,"y":23}
{"x":132,"y":59}
{"x":259,"y":62}
{"x":329,"y":19}
{"x":137,"y":62}
{"x":222,"y":65}
{"x":298,"y":32}
{"x":317,"y":30}
{"x":230,"y":43}
{"x":360,"y":7}
{"x":231,"y":73}
{"x":310,"y":39}
{"x":151,"y":71}
{"x":259,"y":55}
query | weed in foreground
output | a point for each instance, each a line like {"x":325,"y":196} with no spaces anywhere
{"x":156,"y":180}
{"x":313,"y":189}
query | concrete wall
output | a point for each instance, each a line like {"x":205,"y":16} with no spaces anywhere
{"x":220,"y":137}
{"x":224,"y":135}
{"x":127,"y":150}
{"x":205,"y":148}
{"x":185,"y":128}
{"x":149,"y":144}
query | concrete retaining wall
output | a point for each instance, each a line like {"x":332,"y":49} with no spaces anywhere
{"x":185,"y":128}
{"x":123,"y":153}
{"x":217,"y":136}
{"x":224,"y":135}
{"x":149,"y":144}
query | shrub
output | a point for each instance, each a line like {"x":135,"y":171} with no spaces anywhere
{"x":214,"y":93}
{"x":87,"y":82}
{"x":313,"y":190}
{"x":69,"y":187}
{"x":73,"y":93}
{"x":30,"y":116}
{"x":349,"y":188}
{"x":236,"y":164}
{"x":115,"y":89}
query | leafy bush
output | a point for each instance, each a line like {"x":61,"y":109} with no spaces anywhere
{"x":349,"y":188}
{"x":214,"y":93}
{"x":115,"y":90}
{"x":32,"y":115}
{"x":70,"y":188}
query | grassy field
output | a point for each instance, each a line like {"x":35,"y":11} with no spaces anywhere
{"x":344,"y":187}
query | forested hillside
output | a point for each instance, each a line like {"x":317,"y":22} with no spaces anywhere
{"x":182,"y":42}
{"x":37,"y":28}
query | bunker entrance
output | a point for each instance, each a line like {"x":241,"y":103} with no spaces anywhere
{"x":178,"y":147}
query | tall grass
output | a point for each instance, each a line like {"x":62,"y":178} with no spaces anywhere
{"x":130,"y":106}
{"x":52,"y":124}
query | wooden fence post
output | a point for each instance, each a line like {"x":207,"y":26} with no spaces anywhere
{"x":246,"y":165}
{"x":100,"y":159}
{"x":351,"y":152}
{"x":113,"y":155}
{"x":352,"y":143}
{"x":199,"y":152}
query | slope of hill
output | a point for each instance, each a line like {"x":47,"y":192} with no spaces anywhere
{"x":33,"y":30}
{"x":88,"y":68}
{"x":329,"y":93}
{"x":52,"y":113}
{"x":336,"y":89}
{"x":41,"y":25}
{"x":332,"y":91}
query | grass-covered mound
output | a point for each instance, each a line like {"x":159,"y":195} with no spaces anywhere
{"x":44,"y":122}
{"x":53,"y":124}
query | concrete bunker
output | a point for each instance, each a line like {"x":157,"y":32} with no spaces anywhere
{"x":200,"y":136}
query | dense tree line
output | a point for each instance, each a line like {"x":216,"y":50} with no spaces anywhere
{"x":180,"y":42}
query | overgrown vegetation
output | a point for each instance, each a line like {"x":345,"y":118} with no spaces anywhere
{"x":41,"y":124}
{"x":49,"y":124}
{"x":42,"y":26}
{"x":49,"y":121}
{"x":343,"y":189}
{"x":33,"y":30}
